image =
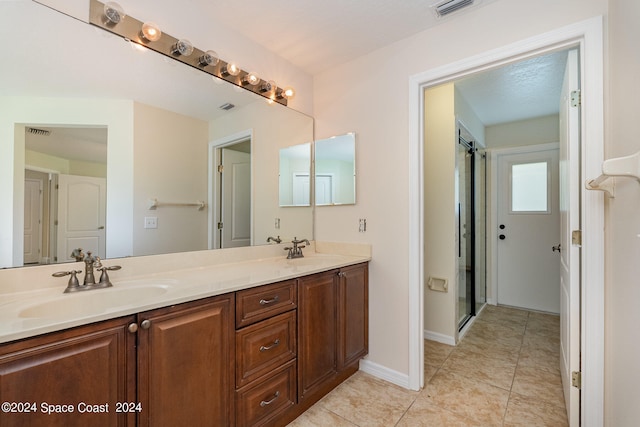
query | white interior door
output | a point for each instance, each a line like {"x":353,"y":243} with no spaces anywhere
{"x":570,"y":253}
{"x":81,"y":215}
{"x":301,"y":190}
{"x":32,"y":220}
{"x":324,"y":189}
{"x":236,"y":198}
{"x":529,"y":226}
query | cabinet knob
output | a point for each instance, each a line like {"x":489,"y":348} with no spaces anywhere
{"x":145,"y":324}
{"x":342,"y":274}
{"x":133,"y":328}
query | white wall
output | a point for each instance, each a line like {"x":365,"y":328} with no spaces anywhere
{"x":369,"y":95}
{"x":170,"y":164}
{"x":622,"y":293}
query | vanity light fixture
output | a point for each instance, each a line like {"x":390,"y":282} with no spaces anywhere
{"x":182,"y":47}
{"x":210,"y":57}
{"x":113,"y":13}
{"x":230,"y":69}
{"x":251,"y":79}
{"x":147,"y":36}
{"x":151,"y":31}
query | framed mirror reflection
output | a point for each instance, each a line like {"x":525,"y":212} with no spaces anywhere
{"x":157,"y":117}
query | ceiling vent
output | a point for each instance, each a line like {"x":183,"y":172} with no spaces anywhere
{"x":447,"y":7}
{"x":226,"y":106}
{"x":36,"y":131}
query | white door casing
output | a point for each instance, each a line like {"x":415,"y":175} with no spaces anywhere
{"x":588,"y":35}
{"x":236,"y":198}
{"x":81,"y":215}
{"x":32,"y":220}
{"x":528,"y":227}
{"x":570,"y":253}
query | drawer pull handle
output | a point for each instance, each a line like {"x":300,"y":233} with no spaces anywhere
{"x":270,"y":401}
{"x":269,"y":301}
{"x":269,"y":347}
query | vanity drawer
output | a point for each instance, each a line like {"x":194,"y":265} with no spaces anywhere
{"x":253,"y":305}
{"x":262,"y":347}
{"x":266,"y":400}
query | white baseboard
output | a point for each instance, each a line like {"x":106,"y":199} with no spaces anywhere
{"x":384,"y":373}
{"x":438,"y":337}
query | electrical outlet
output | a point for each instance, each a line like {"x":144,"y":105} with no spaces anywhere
{"x":362,"y":227}
{"x":277,"y":224}
{"x":150,"y":222}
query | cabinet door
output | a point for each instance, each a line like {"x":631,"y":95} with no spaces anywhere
{"x":353,"y":314}
{"x":78,"y":375}
{"x":186,"y":364}
{"x":317,"y":332}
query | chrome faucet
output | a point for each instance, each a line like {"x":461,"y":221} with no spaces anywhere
{"x":296,"y":250}
{"x":90,"y":262}
{"x":274,"y":239}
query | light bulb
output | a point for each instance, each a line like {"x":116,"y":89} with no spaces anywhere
{"x":231,"y":69}
{"x":251,"y":79}
{"x":182,"y":47}
{"x":113,"y":12}
{"x":268,"y":86}
{"x":151,"y":31}
{"x":210,"y":57}
{"x":288,"y":92}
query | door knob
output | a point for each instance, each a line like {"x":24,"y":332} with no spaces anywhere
{"x":556,"y":248}
{"x":502,"y":237}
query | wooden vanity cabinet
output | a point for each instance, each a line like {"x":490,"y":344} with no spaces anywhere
{"x":74,"y":369}
{"x":332,"y":329}
{"x":266,"y":351}
{"x":186,"y":364}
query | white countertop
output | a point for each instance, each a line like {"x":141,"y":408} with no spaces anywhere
{"x":38,"y":311}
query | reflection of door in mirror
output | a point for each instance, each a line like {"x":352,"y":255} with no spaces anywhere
{"x":65,"y":193}
{"x":294,"y":175}
{"x":324,"y":189}
{"x":235,"y":195}
{"x":81,"y":215}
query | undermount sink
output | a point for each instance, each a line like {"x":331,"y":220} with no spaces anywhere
{"x":87,"y":303}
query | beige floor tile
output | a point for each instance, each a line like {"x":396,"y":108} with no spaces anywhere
{"x":429,"y":372}
{"x":481,"y":367}
{"x":490,"y":349}
{"x":540,"y":357}
{"x":436,"y":353}
{"x":539,"y":383}
{"x":505,"y":316}
{"x":527,"y":412}
{"x":544,"y":342}
{"x":367,"y":401}
{"x":425,"y":414}
{"x":476,"y":400}
{"x":495,"y":333}
{"x":317,"y":416}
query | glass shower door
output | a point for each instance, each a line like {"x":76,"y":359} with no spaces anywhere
{"x":466,"y":249}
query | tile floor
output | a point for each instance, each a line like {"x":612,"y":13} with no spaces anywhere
{"x":504,"y":372}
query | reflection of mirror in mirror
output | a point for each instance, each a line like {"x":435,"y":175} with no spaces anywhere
{"x":335,"y":170}
{"x":295,"y":172}
{"x":159,"y":115}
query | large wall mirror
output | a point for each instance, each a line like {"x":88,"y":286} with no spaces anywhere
{"x":335,"y":170}
{"x":85,"y":113}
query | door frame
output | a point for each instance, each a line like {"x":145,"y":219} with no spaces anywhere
{"x":492,"y":235}
{"x":213,"y":182}
{"x":588,"y":37}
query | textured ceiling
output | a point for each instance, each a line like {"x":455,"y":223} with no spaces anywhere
{"x":521,"y":90}
{"x":316,"y":35}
